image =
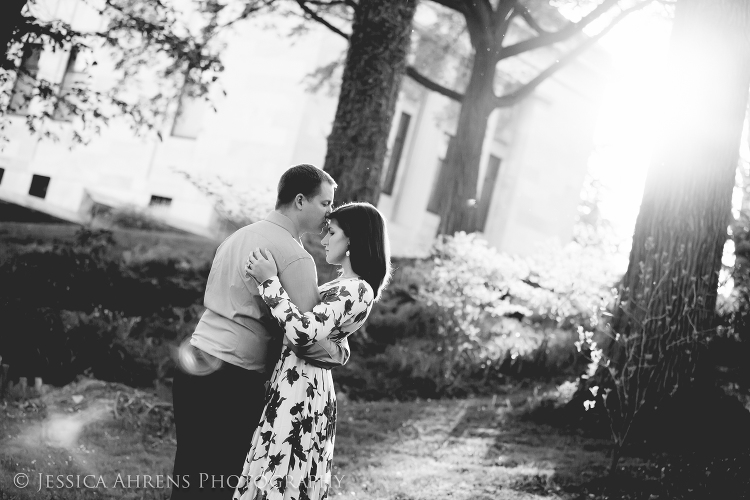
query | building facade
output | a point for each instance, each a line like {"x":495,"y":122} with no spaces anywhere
{"x":533,"y":165}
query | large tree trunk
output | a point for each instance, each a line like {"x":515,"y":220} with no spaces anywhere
{"x":375,"y":64}
{"x":668,"y":294}
{"x":461,"y":166}
{"x":10,"y":13}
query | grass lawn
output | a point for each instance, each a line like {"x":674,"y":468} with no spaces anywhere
{"x":458,"y":449}
{"x":194,"y":249}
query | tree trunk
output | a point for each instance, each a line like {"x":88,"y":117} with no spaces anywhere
{"x":10,"y":13}
{"x":669,"y":291}
{"x":741,"y":271}
{"x":375,"y":64}
{"x":461,"y":165}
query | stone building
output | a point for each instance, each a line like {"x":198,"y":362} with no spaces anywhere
{"x":534,"y":161}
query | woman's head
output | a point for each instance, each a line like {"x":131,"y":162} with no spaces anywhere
{"x":369,"y":251}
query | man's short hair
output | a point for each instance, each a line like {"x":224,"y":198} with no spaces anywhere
{"x":302,"y":179}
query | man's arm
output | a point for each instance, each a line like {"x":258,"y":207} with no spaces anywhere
{"x":325,"y":353}
{"x":301,"y":283}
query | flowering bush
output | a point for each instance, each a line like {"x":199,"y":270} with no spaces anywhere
{"x":498,"y":306}
{"x":560,"y":286}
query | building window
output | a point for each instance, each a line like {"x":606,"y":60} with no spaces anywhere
{"x":396,"y":152}
{"x":39,"y":185}
{"x":433,"y":205}
{"x":74,"y":73}
{"x":488,"y":189}
{"x":25,"y":80}
{"x":159,"y":201}
{"x":440,"y":186}
{"x":2,"y":173}
{"x":189,"y":118}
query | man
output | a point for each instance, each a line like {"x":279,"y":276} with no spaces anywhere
{"x":237,"y":341}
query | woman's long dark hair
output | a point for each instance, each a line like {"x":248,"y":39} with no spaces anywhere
{"x":369,"y":250}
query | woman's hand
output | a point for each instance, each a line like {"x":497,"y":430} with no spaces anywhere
{"x":260,"y":265}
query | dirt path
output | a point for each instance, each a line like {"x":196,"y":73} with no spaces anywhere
{"x":468,"y":449}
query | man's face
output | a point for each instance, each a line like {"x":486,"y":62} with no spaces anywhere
{"x":315,"y":209}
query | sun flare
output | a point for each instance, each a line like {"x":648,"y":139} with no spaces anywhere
{"x":627,"y":124}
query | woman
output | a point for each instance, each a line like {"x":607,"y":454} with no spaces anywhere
{"x":291,"y":451}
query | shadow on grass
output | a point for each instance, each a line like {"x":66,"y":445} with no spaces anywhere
{"x":364,"y":426}
{"x":695,"y":447}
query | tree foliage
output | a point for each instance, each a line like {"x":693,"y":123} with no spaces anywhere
{"x":155,"y":50}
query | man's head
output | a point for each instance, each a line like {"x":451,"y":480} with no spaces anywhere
{"x":305,"y":195}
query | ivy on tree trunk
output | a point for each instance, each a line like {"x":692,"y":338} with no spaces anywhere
{"x":375,"y":64}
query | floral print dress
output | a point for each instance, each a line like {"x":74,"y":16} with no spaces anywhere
{"x":291,"y":450}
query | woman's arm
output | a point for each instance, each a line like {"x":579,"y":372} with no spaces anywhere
{"x":300,"y":279}
{"x":350,"y":299}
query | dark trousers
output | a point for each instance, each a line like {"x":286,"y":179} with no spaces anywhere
{"x":215,"y":417}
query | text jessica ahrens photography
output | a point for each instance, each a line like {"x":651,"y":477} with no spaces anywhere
{"x":144,"y":481}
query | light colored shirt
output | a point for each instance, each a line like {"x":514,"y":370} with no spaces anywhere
{"x":237,"y":326}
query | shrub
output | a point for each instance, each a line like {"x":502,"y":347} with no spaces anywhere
{"x":128,"y":217}
{"x":80,"y":308}
{"x":89,"y":274}
{"x":467,"y":318}
{"x":459,"y":322}
{"x":651,"y":388}
{"x":520,"y":313}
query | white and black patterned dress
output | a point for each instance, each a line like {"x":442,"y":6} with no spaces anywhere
{"x":292,"y":448}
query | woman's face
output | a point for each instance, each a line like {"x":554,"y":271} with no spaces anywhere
{"x":336,"y":244}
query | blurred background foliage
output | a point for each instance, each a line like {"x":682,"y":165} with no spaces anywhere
{"x":113,"y":304}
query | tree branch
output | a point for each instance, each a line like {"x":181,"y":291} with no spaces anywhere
{"x":456,"y":5}
{"x":246,"y":12}
{"x":505,"y":10}
{"x":526,"y":16}
{"x":330,"y":3}
{"x":316,"y":17}
{"x":518,"y":94}
{"x":429,"y":84}
{"x":560,"y":35}
{"x":482,"y":7}
{"x":321,"y":3}
{"x":478,"y":16}
{"x":504,"y":15}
